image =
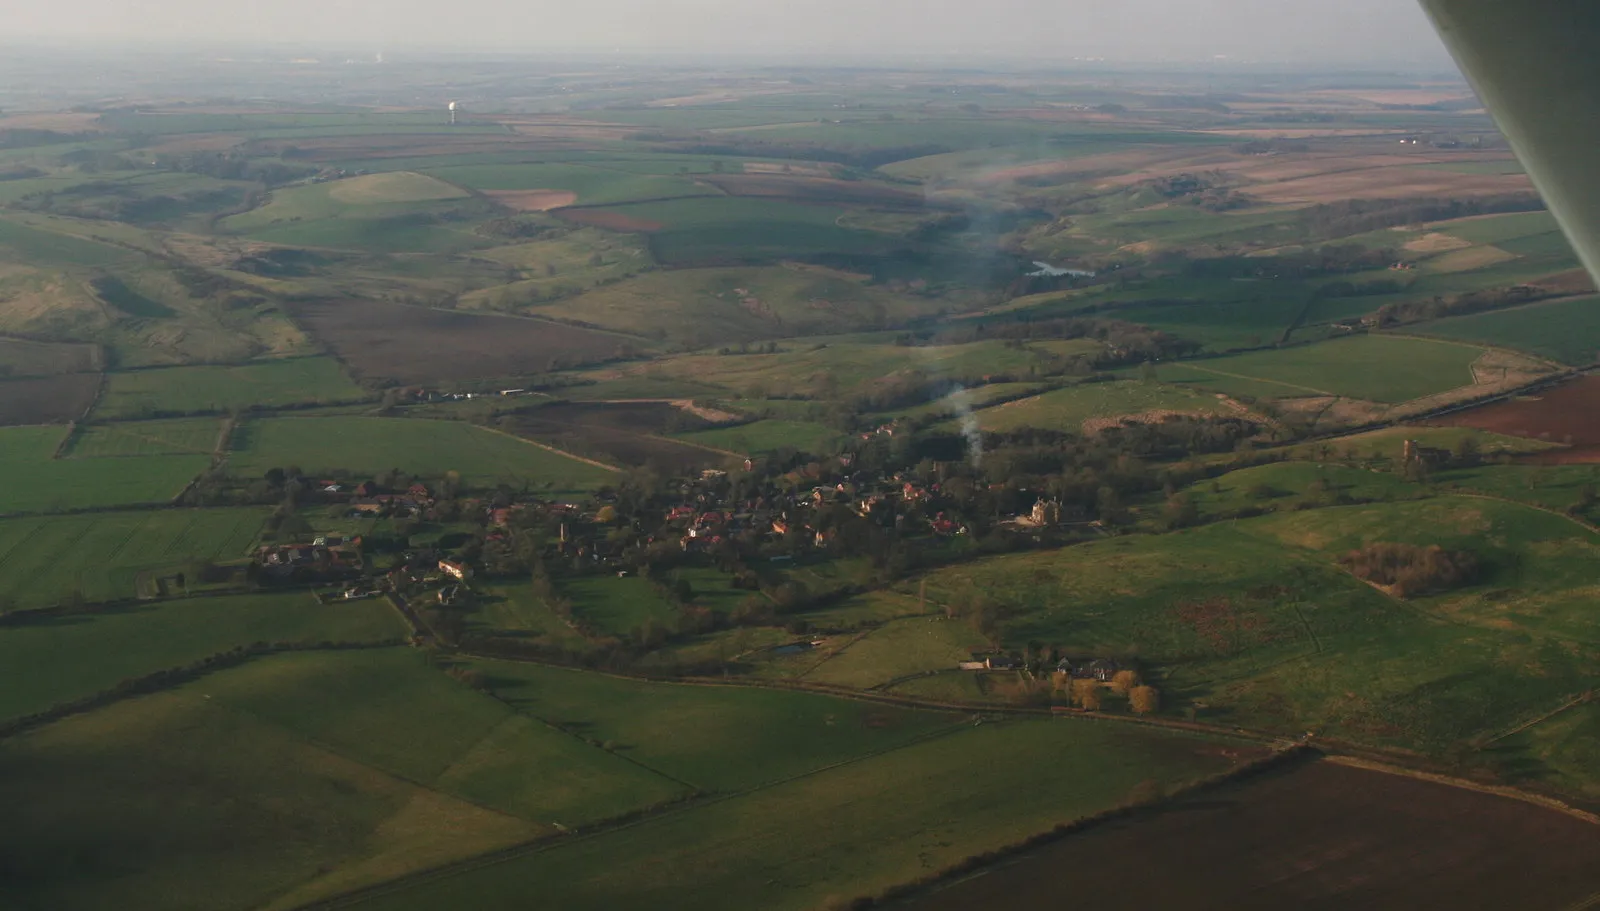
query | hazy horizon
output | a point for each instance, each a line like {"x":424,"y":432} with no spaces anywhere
{"x":1318,"y":32}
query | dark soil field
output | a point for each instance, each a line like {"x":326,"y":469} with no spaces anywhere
{"x":1321,"y":836}
{"x":379,"y":340}
{"x":621,"y":434}
{"x":1569,"y":413}
{"x":611,"y":221}
{"x":19,"y":357}
{"x":47,"y":400}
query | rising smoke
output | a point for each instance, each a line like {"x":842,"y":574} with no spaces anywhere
{"x":962,"y":402}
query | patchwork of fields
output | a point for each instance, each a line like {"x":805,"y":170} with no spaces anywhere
{"x":219,"y":319}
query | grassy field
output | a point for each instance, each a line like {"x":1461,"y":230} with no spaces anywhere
{"x":42,"y":484}
{"x":734,"y":229}
{"x":1375,"y":368}
{"x":1255,"y":619}
{"x":24,"y":358}
{"x":68,"y":658}
{"x":287,"y":780}
{"x":845,"y":367}
{"x":1071,"y":408}
{"x":898,"y":649}
{"x":617,"y":606}
{"x":193,"y":436}
{"x":766,"y":436}
{"x":366,"y":446}
{"x":593,"y":185}
{"x":718,"y":739}
{"x":912,"y":811}
{"x":509,"y":608}
{"x":145,"y":393}
{"x":1567,"y":330}
{"x":706,"y":307}
{"x":45,"y":559}
{"x":339,"y":198}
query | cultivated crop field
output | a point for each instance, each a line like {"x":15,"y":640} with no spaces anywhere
{"x":1563,"y":415}
{"x":19,"y":357}
{"x":46,"y":559}
{"x":1322,"y":834}
{"x":185,"y":390}
{"x":367,"y":446}
{"x":49,"y":399}
{"x":592,"y":185}
{"x":41,"y":483}
{"x":415,"y":345}
{"x":617,"y":434}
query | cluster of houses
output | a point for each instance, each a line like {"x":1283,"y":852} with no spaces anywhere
{"x":367,"y":502}
{"x":325,"y":557}
{"x":1101,"y":670}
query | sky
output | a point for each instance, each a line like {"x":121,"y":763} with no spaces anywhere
{"x":1384,"y":32}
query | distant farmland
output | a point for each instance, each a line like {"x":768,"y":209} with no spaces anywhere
{"x":39,"y":483}
{"x":416,"y":345}
{"x":620,"y":434}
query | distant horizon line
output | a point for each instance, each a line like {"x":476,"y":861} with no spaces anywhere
{"x":357,"y":52}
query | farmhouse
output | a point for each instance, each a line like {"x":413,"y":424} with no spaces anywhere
{"x":457,"y":569}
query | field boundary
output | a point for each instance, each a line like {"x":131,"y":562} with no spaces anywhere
{"x":561,"y":452}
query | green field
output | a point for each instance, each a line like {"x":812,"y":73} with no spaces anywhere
{"x":184,"y":390}
{"x":707,"y":307}
{"x":1502,"y":228}
{"x":39,"y":483}
{"x":288,"y":780}
{"x":716,"y":738}
{"x":347,"y":197}
{"x":898,"y":649}
{"x":826,"y":369}
{"x":910,"y":812}
{"x":1375,"y":368}
{"x":766,"y":436}
{"x":1068,"y":409}
{"x":1255,"y":620}
{"x":63,"y":659}
{"x":367,"y":446}
{"x":735,"y":229}
{"x":396,"y":211}
{"x":617,"y":606}
{"x":195,"y":436}
{"x":594,"y":185}
{"x":1567,"y":330}
{"x":45,"y":559}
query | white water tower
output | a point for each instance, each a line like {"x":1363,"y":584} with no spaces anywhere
{"x":453,"y":108}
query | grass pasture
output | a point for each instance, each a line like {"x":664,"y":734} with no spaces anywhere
{"x":228,"y":793}
{"x":1374,"y":368}
{"x":40,"y":483}
{"x":365,"y":446}
{"x":913,"y":810}
{"x":901,"y":648}
{"x":765,"y":436}
{"x":736,"y":229}
{"x":72,"y":657}
{"x":47,"y":558}
{"x":1081,"y":407}
{"x":594,"y":185}
{"x":268,"y":384}
{"x":1567,"y":330}
{"x":193,"y":436}
{"x":618,"y":606}
{"x":716,"y":738}
{"x":1256,"y":620}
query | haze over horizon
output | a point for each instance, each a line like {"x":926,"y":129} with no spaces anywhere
{"x":1372,"y":32}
